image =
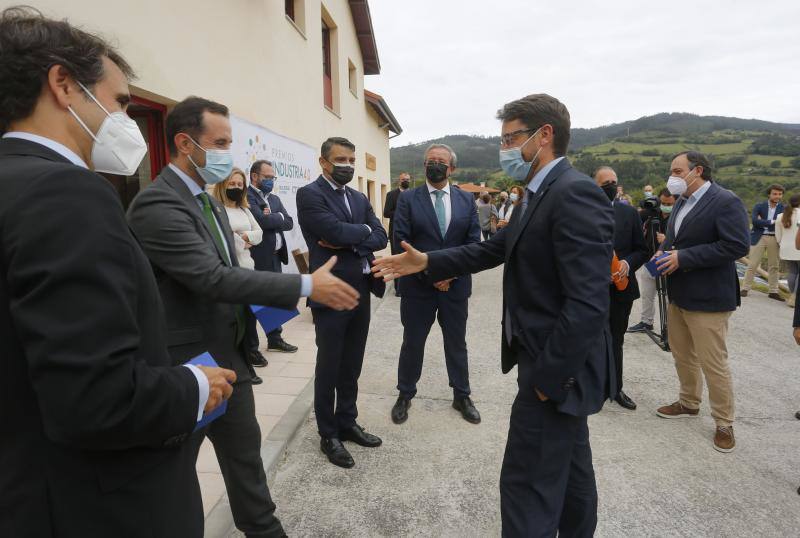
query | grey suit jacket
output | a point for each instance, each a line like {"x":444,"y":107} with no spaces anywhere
{"x":198,"y":285}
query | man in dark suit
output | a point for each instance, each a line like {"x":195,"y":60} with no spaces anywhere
{"x":631,"y":250}
{"x":431,"y":217}
{"x":94,"y":418}
{"x":557,"y":254}
{"x":187,"y":236}
{"x":707,"y":233}
{"x":272,"y":252}
{"x":338,"y":222}
{"x":763,"y":238}
{"x":390,"y":206}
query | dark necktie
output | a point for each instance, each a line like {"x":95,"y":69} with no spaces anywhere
{"x":208,"y":213}
{"x":342,"y":194}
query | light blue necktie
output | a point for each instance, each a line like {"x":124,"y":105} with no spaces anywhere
{"x":440,"y":214}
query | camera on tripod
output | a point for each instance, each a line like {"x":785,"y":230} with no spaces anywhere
{"x":650,"y":203}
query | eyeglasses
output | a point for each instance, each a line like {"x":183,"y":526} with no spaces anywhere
{"x":268,"y":178}
{"x":434,"y":161}
{"x":508,"y":138}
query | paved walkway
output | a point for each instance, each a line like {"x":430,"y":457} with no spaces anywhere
{"x":437,"y":475}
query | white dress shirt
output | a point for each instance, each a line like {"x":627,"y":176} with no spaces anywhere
{"x":689,"y":204}
{"x":448,"y":207}
{"x":61,"y":149}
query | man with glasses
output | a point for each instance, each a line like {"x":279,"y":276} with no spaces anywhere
{"x":557,"y":254}
{"x":432,"y":217}
{"x":272,"y":252}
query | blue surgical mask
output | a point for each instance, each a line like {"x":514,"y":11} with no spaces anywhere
{"x":666,"y":209}
{"x":219,"y":164}
{"x":267,"y":185}
{"x":513,"y":196}
{"x":513,"y":163}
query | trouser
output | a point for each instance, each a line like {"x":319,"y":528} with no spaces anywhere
{"x":619,"y":314}
{"x":647,"y":288}
{"x":547,"y":482}
{"x":697,"y":341}
{"x":487,"y":234}
{"x":770,"y":244}
{"x":793,"y":273}
{"x":417,"y":315}
{"x":236,"y":437}
{"x":341,"y":338}
{"x":274,"y":335}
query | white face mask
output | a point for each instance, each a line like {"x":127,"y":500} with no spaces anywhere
{"x":119,"y":146}
{"x":677,"y":185}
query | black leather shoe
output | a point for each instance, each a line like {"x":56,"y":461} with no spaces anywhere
{"x":336,"y":452}
{"x":257,"y":359}
{"x":281,"y":347}
{"x":625,"y":401}
{"x":400,"y":410}
{"x":360,"y":436}
{"x":467,"y":409}
{"x":640,"y":327}
{"x":255,"y":380}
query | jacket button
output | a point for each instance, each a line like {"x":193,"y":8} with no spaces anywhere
{"x":568,"y":384}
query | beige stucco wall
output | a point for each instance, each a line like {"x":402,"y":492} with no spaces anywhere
{"x":247,"y":55}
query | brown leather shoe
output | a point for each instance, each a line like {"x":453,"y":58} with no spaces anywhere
{"x":777,"y":297}
{"x":743,"y":293}
{"x":676,"y":410}
{"x":723,"y":439}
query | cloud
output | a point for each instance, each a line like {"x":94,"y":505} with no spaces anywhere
{"x":448,"y":65}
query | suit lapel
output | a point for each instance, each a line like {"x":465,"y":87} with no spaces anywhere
{"x":333,"y":198}
{"x":534,"y":201}
{"x":193,"y":204}
{"x":424,"y":199}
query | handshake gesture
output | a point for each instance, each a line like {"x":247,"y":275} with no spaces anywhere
{"x":409,"y":262}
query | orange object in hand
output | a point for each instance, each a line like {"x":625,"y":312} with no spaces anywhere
{"x":620,"y":282}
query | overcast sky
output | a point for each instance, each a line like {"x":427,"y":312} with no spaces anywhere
{"x":448,"y":65}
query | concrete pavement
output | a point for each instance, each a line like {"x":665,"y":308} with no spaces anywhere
{"x":437,"y":475}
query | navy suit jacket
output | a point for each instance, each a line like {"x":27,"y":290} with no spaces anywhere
{"x":557,"y":259}
{"x":272,"y":224}
{"x":630,"y":246}
{"x":415,"y":222}
{"x":323,"y":216}
{"x":710,"y":240}
{"x":760,"y":222}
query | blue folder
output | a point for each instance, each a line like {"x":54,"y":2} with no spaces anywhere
{"x":652,"y":267}
{"x":271,"y":318}
{"x":207,"y":360}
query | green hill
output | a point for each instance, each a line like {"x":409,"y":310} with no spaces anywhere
{"x":748,"y":155}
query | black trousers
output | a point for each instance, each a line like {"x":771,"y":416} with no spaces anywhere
{"x":618,"y":318}
{"x":417,"y":315}
{"x":275,"y":334}
{"x":547,"y":482}
{"x":236,"y":437}
{"x":341,"y":338}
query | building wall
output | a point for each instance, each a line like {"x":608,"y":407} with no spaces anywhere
{"x":247,"y":55}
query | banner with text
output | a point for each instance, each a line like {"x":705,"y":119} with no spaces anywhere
{"x":296,"y":164}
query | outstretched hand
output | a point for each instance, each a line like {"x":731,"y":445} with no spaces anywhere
{"x":331,"y":290}
{"x":409,"y":262}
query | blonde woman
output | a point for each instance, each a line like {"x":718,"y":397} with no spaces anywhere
{"x":246,"y":230}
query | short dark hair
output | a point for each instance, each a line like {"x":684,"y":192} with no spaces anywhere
{"x":256,"y":166}
{"x":696,"y":159}
{"x":30,"y":44}
{"x":187,"y":117}
{"x":665,"y":192}
{"x":537,"y":110}
{"x":775,"y":187}
{"x":325,"y":150}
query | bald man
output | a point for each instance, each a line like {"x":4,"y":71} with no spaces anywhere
{"x":630,"y":248}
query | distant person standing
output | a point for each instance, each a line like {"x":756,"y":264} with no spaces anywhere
{"x":389,"y":207}
{"x":487,"y":215}
{"x":622,"y":197}
{"x":272,"y":253}
{"x":707,"y":233}
{"x":647,"y":284}
{"x":786,"y":229}
{"x":648,"y":193}
{"x":514,"y":200}
{"x":630,"y":248}
{"x":763,"y":238}
{"x":502,"y":201}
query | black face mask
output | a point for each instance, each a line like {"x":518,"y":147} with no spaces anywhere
{"x":436,"y":172}
{"x":404,"y":184}
{"x":342,"y":174}
{"x":234,"y":195}
{"x":611,"y":190}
